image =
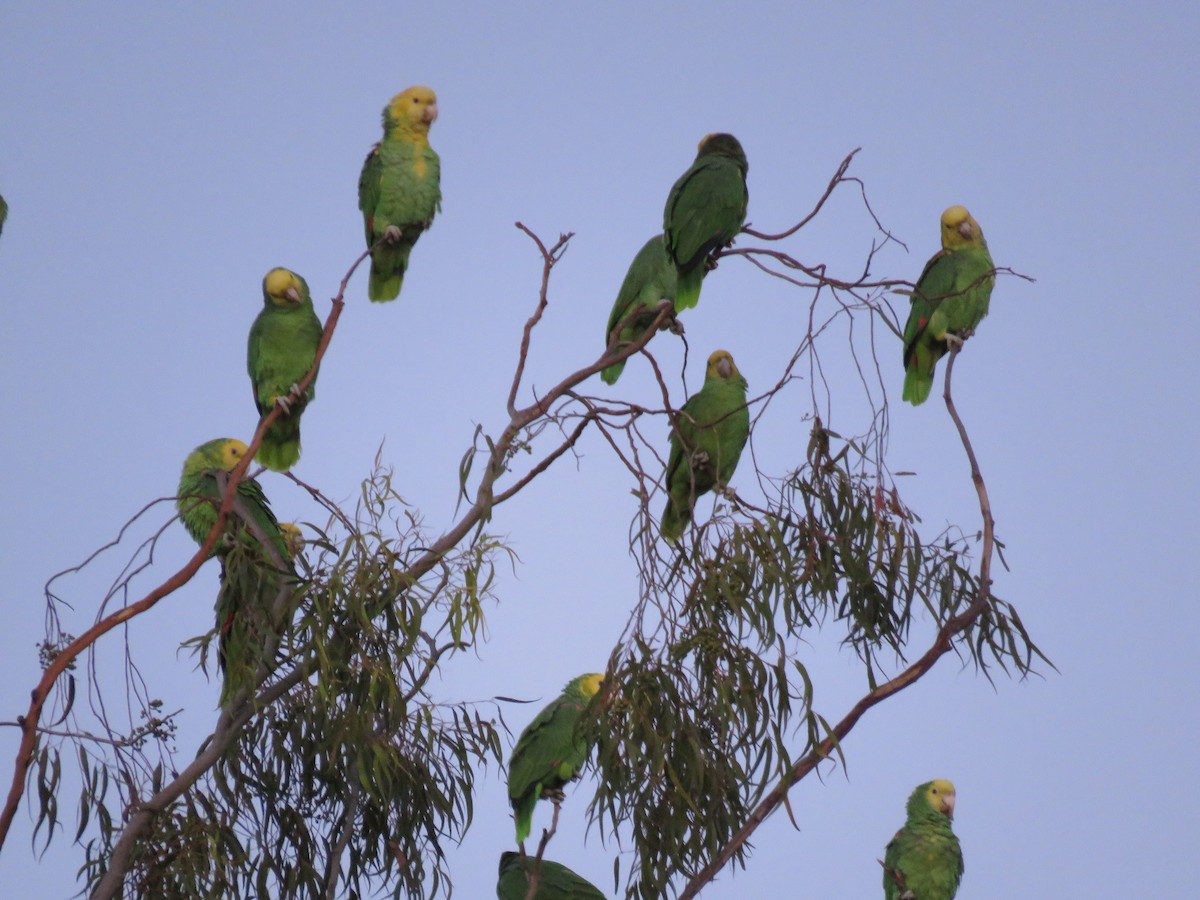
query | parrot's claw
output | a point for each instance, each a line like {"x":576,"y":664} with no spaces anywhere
{"x":728,"y":493}
{"x":954,"y":341}
{"x":393,"y":234}
{"x":554,"y":796}
{"x":700,"y":459}
{"x":284,"y":402}
{"x":675,"y":326}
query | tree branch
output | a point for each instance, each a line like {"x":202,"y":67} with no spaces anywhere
{"x":942,"y":644}
{"x":68,"y":654}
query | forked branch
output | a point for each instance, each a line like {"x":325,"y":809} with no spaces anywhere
{"x":41,"y":693}
{"x":942,"y":644}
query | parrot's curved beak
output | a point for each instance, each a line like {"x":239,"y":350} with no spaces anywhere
{"x":292,"y":294}
{"x":430,"y":114}
{"x":948,"y":805}
{"x":725,"y":367}
{"x":965,"y":229}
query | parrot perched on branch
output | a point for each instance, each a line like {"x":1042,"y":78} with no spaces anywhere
{"x":923,"y":861}
{"x":706,"y":443}
{"x":548,"y":754}
{"x":704,"y":212}
{"x":250,"y":577}
{"x":555,"y":881}
{"x":649,"y":281}
{"x":399,"y":190}
{"x":950,"y":299}
{"x":281,"y":349}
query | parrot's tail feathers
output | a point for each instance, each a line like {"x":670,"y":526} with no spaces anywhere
{"x":523,"y":813}
{"x":279,"y":452}
{"x":687,"y":291}
{"x":389,"y":262}
{"x":382,"y":289}
{"x":917,"y":385}
{"x":612,"y":373}
{"x":673,"y":522}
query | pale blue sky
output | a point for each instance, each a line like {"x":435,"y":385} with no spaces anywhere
{"x":158,"y":161}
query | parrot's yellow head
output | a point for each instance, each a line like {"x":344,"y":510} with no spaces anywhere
{"x":722,"y":143}
{"x":959,"y":229}
{"x":940,"y":795}
{"x":413,"y":109}
{"x":231,"y":451}
{"x":283,"y":287}
{"x":590,"y":684}
{"x":293,"y":537}
{"x":721,"y":365}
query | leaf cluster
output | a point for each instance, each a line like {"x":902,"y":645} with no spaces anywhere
{"x":713,"y":701}
{"x":347,"y":767}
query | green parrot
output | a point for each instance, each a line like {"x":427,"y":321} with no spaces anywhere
{"x":923,"y":861}
{"x":399,"y":190}
{"x":712,"y":429}
{"x":246,"y":603}
{"x":950,"y":299}
{"x":556,"y":881}
{"x":247,"y":573}
{"x":281,"y":349}
{"x":548,"y":753}
{"x":704,"y":211}
{"x":649,"y":281}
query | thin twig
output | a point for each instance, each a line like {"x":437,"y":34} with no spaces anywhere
{"x":837,"y":179}
{"x":941,"y":645}
{"x":68,"y":654}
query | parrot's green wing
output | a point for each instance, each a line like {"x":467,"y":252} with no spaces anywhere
{"x":924,"y":857}
{"x":248,"y":606}
{"x":951,"y":297}
{"x":399,"y":188}
{"x":555,"y":881}
{"x":707,"y":442}
{"x":250,"y":577}
{"x":650,"y":280}
{"x":368,"y":190}
{"x":281,"y":349}
{"x":549,"y":753}
{"x":704,"y":212}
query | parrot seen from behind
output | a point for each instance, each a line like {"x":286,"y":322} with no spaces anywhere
{"x":649,"y":281}
{"x":704,"y":212}
{"x":707,"y":442}
{"x":555,"y":881}
{"x":250,"y":579}
{"x":549,"y":753}
{"x":280,"y":351}
{"x":950,"y":299}
{"x":399,"y":190}
{"x":924,"y":861}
